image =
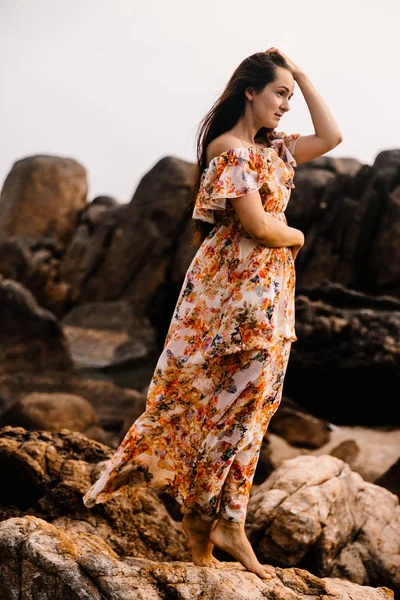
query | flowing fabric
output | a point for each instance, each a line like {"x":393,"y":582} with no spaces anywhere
{"x":219,"y":378}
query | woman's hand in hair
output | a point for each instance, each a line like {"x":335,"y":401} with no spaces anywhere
{"x":296,"y":71}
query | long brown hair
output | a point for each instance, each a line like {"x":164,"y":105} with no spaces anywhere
{"x":255,"y":71}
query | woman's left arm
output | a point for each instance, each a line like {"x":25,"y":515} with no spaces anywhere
{"x":327,"y":134}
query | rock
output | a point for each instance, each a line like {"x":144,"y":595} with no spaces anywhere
{"x":391,"y":479}
{"x":88,"y":247}
{"x":384,"y":274}
{"x":51,"y":412}
{"x":378,"y":449}
{"x":141,"y":240}
{"x":264,"y":466}
{"x":345,"y":357}
{"x":350,"y":223}
{"x":46,"y":474}
{"x":106,"y":334}
{"x":347,"y":451}
{"x":38,"y":559}
{"x":307,"y":198}
{"x":42,"y":197}
{"x":350,"y":166}
{"x":31,"y":339}
{"x":15,"y":259}
{"x":315,"y":513}
{"x":110,"y":402}
{"x":298,"y":427}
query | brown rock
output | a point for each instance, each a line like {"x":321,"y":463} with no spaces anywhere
{"x":264,"y":466}
{"x":104,"y":334}
{"x":46,"y":474}
{"x":51,"y":412}
{"x":38,"y":558}
{"x":90,"y":243}
{"x":347,"y":451}
{"x":298,"y":427}
{"x":31,"y":339}
{"x":110,"y":402}
{"x":15,"y":259}
{"x":41,"y":198}
{"x":142,"y":238}
{"x":391,"y":479}
{"x":315,"y":513}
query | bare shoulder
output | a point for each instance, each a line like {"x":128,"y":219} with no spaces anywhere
{"x":222,"y":143}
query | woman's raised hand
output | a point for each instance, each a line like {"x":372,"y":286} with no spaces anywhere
{"x":294,"y":68}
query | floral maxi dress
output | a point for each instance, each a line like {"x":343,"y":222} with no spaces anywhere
{"x":219,"y":378}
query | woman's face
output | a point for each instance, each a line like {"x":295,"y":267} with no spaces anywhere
{"x":272,"y":102}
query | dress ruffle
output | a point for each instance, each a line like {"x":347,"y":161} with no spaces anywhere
{"x":241,"y":171}
{"x":234,"y":173}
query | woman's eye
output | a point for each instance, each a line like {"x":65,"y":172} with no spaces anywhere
{"x":281,"y":93}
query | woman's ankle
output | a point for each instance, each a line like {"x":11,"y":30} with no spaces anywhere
{"x":228,"y":523}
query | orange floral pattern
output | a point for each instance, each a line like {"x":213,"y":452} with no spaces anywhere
{"x":219,"y":378}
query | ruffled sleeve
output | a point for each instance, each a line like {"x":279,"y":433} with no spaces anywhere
{"x":236,"y":172}
{"x":284,"y":144}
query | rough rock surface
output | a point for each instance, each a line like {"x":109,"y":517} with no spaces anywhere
{"x":38,"y":560}
{"x":105,"y":334}
{"x":351,"y":223}
{"x":41,"y":198}
{"x":347,"y":355}
{"x":31,"y":338}
{"x":141,"y":239}
{"x":46,"y":474}
{"x":315,"y":513}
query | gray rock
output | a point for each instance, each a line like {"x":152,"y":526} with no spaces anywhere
{"x":315,"y":513}
{"x":38,"y":559}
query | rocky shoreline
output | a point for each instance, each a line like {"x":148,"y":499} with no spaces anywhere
{"x":87,"y":290}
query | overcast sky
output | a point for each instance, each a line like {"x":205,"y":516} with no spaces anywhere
{"x":119,"y":84}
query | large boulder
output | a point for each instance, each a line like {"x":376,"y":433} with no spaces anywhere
{"x":110,"y":402}
{"x":129,"y":252}
{"x":46,"y":474}
{"x":31,"y":338}
{"x":51,"y":412}
{"x":347,"y":355}
{"x":315,"y":513}
{"x":350,"y":216}
{"x":38,"y":559}
{"x":42,"y":197}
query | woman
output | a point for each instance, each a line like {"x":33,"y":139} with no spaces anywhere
{"x":219,"y":378}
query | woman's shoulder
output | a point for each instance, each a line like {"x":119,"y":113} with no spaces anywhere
{"x":221,"y":144}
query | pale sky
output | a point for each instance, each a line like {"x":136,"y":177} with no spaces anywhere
{"x":119,"y":84}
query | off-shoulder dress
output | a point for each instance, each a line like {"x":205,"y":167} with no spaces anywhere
{"x":219,"y":378}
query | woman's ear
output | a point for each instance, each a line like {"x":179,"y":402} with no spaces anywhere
{"x":249,"y":93}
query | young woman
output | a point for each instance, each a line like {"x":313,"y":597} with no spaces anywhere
{"x":219,"y":378}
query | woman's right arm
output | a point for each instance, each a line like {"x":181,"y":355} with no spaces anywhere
{"x":263,"y":227}
{"x":260,"y":225}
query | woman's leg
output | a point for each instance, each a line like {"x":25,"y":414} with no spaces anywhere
{"x":229,"y":532}
{"x":197,"y":531}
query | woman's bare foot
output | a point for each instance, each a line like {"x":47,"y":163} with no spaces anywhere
{"x":197,"y":531}
{"x":231,"y":537}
